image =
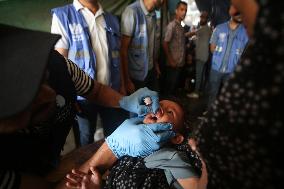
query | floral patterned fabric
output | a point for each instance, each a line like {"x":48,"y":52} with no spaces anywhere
{"x":131,"y":172}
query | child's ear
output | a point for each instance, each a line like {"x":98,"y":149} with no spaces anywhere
{"x":178,"y":139}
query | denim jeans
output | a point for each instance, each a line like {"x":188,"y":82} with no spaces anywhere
{"x":87,"y":120}
{"x":216,"y":80}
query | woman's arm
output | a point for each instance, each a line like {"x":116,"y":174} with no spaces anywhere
{"x":203,"y":181}
{"x":104,"y":95}
{"x":196,"y":183}
{"x":90,"y":89}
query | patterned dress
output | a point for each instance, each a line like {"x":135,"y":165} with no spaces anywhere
{"x":241,"y":139}
{"x":131,"y":172}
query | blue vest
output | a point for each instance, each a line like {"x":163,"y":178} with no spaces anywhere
{"x":138,"y":49}
{"x":81,"y":51}
{"x":239,"y":43}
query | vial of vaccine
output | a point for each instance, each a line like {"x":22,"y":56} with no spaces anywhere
{"x":148,"y":102}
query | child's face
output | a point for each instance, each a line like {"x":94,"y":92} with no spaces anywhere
{"x":169,"y":112}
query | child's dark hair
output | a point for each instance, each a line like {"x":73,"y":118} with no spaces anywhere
{"x":187,"y":127}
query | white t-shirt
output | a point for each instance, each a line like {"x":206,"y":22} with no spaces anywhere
{"x":96,"y":23}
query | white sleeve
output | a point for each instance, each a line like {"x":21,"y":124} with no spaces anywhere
{"x":57,"y":28}
{"x":128,"y":22}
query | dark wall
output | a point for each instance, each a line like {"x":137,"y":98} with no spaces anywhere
{"x":204,"y":5}
{"x":218,"y":9}
{"x":35,"y":14}
{"x":32,"y":14}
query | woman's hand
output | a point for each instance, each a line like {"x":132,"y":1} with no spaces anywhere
{"x":203,"y":181}
{"x":133,"y":138}
{"x":135,"y":102}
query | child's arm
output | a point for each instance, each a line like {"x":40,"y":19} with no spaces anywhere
{"x":102,"y":160}
{"x":86,"y":175}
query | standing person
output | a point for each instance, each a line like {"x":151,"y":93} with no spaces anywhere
{"x":138,"y":45}
{"x":37,"y":108}
{"x":227,"y":44}
{"x":90,"y":38}
{"x":242,"y":139}
{"x":203,"y":34}
{"x":174,"y":47}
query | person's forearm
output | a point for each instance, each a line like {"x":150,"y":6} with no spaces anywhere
{"x":124,"y":64}
{"x":203,"y":178}
{"x":125,"y":42}
{"x":102,"y":160}
{"x":122,"y":74}
{"x":189,"y":183}
{"x":190,"y":34}
{"x":104,"y":95}
{"x":63,"y":52}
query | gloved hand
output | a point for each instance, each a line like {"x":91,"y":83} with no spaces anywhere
{"x":135,"y":102}
{"x":134,"y":138}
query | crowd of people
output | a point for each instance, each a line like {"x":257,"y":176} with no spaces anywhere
{"x":91,"y":64}
{"x":138,"y":64}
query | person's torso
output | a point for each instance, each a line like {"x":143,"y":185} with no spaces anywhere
{"x":202,"y":43}
{"x":233,"y":46}
{"x":177,"y":43}
{"x":231,"y":36}
{"x":96,"y":28}
{"x":94,"y":42}
{"x":141,"y":49}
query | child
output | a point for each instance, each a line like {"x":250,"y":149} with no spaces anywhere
{"x":175,"y":163}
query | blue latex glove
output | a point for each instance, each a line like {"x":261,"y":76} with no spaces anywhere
{"x":135,"y":139}
{"x":135,"y":102}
